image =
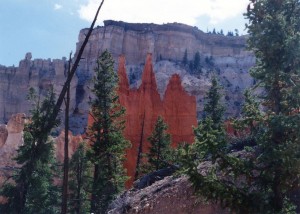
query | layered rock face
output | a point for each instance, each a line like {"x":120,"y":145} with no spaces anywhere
{"x":225,"y":56}
{"x":144,"y":105}
{"x":39,"y":74}
{"x":168,"y":41}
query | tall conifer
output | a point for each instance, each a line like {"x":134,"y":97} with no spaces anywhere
{"x":80,"y":181}
{"x":33,"y":190}
{"x":160,"y":146}
{"x":261,"y":179}
{"x":108,"y":147}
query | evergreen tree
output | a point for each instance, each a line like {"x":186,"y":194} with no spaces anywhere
{"x":260,"y":179}
{"x":230,"y":33}
{"x":32,"y":190}
{"x":197,"y":63}
{"x":108,"y":148}
{"x":212,"y":107}
{"x":160,"y":150}
{"x":250,"y":114}
{"x":274,"y":37}
{"x":210,"y":133}
{"x":236,"y":32}
{"x":191,"y":66}
{"x":185,"y":58}
{"x":79,"y":182}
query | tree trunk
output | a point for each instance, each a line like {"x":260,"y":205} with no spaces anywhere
{"x":140,"y":151}
{"x":64,"y":206}
{"x":94,"y":196}
{"x":50,"y":123}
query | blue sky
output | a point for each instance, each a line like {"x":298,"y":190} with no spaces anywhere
{"x":49,"y":28}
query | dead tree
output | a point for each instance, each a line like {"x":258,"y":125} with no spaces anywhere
{"x":53,"y":115}
{"x":64,"y":205}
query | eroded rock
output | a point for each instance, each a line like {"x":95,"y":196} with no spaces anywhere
{"x":170,"y":195}
{"x":3,"y":135}
{"x":60,"y":144}
{"x":144,"y":105}
{"x":16,"y":123}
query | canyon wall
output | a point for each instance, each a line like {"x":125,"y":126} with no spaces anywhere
{"x":143,"y":106}
{"x":39,"y":74}
{"x":224,"y":56}
{"x":168,"y":41}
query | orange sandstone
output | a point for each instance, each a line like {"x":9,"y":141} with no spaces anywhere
{"x":144,"y":105}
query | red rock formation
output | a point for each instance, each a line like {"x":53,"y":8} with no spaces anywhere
{"x":60,"y":145}
{"x":143,"y":106}
{"x":180,"y":112}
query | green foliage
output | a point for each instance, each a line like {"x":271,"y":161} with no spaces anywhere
{"x":251,"y":115}
{"x":210,"y":140}
{"x":108,"y":148}
{"x":275,"y":39}
{"x":159,"y":155}
{"x":80,"y":180}
{"x":210,"y":133}
{"x":185,"y":58}
{"x":230,"y":33}
{"x":209,"y":61}
{"x":236,"y":32}
{"x":33,"y":190}
{"x":197,"y":63}
{"x":212,"y":107}
{"x":258,"y":179}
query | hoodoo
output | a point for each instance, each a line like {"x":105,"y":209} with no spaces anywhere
{"x":144,"y":105}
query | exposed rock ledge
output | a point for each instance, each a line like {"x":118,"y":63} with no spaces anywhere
{"x":170,"y":195}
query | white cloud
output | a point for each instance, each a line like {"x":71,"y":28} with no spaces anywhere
{"x":57,"y":6}
{"x":163,"y":11}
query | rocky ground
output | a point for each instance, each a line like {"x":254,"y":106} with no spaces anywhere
{"x":171,"y":195}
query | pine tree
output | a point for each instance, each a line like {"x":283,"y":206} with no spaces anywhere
{"x":250,"y":114}
{"x":213,"y":107}
{"x":260,"y":179}
{"x":80,"y":181}
{"x":236,"y":32}
{"x":160,"y":149}
{"x":185,"y":58}
{"x":108,"y":148}
{"x":33,"y":190}
{"x":197,"y":63}
{"x":211,"y":129}
{"x":274,"y":37}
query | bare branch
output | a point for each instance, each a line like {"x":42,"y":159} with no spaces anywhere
{"x":51,"y":121}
